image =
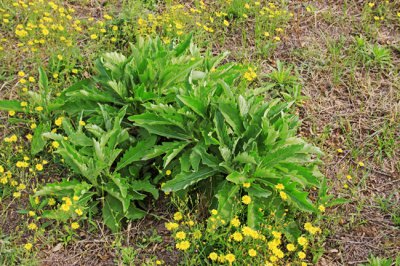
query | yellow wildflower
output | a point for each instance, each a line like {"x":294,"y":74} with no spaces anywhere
{"x":230,"y":258}
{"x":237,"y":236}
{"x":246,"y":199}
{"x":252,"y":253}
{"x":74,"y":225}
{"x":28,"y":246}
{"x":197,"y":234}
{"x":283,"y":195}
{"x":302,"y":241}
{"x":171,"y":226}
{"x":290,"y":247}
{"x":32,"y":226}
{"x":178,"y":216}
{"x":246,"y":185}
{"x":235,"y":222}
{"x":39,"y":167}
{"x":180,"y":235}
{"x":301,"y":255}
{"x":213,"y":256}
{"x":183,"y":245}
{"x":58,"y":121}
{"x":51,"y":202}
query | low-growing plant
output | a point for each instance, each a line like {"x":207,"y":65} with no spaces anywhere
{"x":372,"y":55}
{"x":194,"y":120}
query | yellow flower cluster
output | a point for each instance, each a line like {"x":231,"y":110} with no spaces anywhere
{"x":214,"y":17}
{"x":237,"y":242}
{"x":312,"y":229}
{"x":250,"y":75}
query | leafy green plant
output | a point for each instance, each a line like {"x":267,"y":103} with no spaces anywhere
{"x":372,"y":55}
{"x":191,"y":117}
{"x":232,"y":146}
{"x":284,"y":83}
{"x":377,"y":261}
{"x":91,"y":150}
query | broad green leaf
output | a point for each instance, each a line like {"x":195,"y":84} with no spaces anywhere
{"x":257,"y":191}
{"x":63,"y":187}
{"x":112,"y":213}
{"x":254,"y":215}
{"x":243,"y":106}
{"x":226,"y":200}
{"x":245,"y":158}
{"x":183,"y":180}
{"x":43,"y":81}
{"x":57,"y":215}
{"x":11,"y":105}
{"x":232,"y":116}
{"x":182,"y":47}
{"x":237,"y":178}
{"x":194,"y":104}
{"x":136,"y":153}
{"x":80,"y":139}
{"x":135,"y":213}
{"x":112,"y":189}
{"x":300,"y":199}
{"x":144,"y":185}
{"x":280,"y":155}
{"x":221,"y":129}
{"x":38,"y":142}
{"x":300,"y":174}
{"x":164,"y":148}
{"x":167,"y":131}
{"x":121,"y":183}
{"x":171,"y":154}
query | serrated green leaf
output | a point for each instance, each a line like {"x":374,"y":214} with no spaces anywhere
{"x":280,"y":154}
{"x":236,"y":178}
{"x":136,"y":153}
{"x":171,"y":154}
{"x":300,"y":199}
{"x":183,"y":180}
{"x":194,"y":104}
{"x":232,"y":116}
{"x":144,"y":185}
